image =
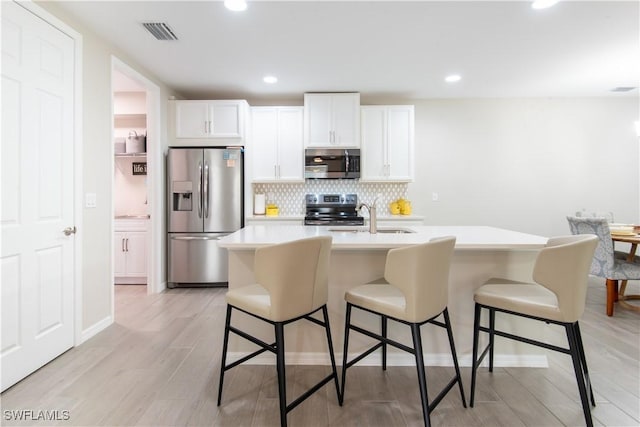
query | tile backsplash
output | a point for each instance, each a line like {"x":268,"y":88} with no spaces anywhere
{"x":290,"y":197}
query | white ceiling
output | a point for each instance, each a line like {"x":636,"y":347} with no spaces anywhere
{"x":381,"y":49}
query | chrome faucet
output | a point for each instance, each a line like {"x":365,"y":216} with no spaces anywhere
{"x":373,"y":226}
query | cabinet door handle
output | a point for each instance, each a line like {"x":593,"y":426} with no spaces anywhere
{"x":127,"y":244}
{"x":210,"y":127}
{"x":122,"y":244}
{"x":275,"y":171}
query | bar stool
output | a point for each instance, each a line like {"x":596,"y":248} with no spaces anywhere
{"x":416,"y":293}
{"x":557,"y":296}
{"x":292,"y":285}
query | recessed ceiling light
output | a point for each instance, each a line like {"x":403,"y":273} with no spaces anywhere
{"x":452,"y":78}
{"x":270,"y":79}
{"x":236,"y":5}
{"x":543,"y":4}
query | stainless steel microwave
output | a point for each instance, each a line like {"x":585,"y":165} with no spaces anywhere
{"x":332,"y":163}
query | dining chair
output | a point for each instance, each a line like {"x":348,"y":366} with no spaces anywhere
{"x":556,"y":296}
{"x":607,"y":263}
{"x":292,"y":284}
{"x":415,"y":293}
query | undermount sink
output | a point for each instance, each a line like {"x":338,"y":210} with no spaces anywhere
{"x":395,"y":230}
{"x":349,"y":229}
{"x":383,"y":230}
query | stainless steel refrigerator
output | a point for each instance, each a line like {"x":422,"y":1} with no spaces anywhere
{"x":205,"y":203}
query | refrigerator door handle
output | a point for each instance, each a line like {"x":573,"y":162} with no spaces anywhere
{"x":206,"y":189}
{"x":199,"y":189}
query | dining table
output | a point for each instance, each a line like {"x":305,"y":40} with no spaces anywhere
{"x":633,"y":239}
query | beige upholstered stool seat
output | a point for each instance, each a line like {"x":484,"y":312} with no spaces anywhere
{"x":556,"y":297}
{"x":414,"y":291}
{"x":526,"y":298}
{"x":381,"y":298}
{"x":252,"y":298}
{"x":292,"y":285}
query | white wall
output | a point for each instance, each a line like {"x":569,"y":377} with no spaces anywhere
{"x":525,"y":164}
{"x":130,"y":191}
{"x":522,"y":164}
{"x":97,"y":171}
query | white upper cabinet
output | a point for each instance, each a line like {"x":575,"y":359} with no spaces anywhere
{"x":209,"y":119}
{"x":387,"y":143}
{"x":332,"y":120}
{"x":276,"y":144}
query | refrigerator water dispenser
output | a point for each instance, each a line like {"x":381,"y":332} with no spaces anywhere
{"x":182,"y":195}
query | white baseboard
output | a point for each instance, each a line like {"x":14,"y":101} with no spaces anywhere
{"x":95,"y":329}
{"x":398,"y":359}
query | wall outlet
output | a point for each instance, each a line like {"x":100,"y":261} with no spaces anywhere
{"x":90,"y":200}
{"x":435,"y":197}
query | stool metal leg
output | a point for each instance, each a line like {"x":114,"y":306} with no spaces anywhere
{"x":223,"y":360}
{"x":384,"y":344}
{"x":492,"y":327}
{"x":422,"y":377}
{"x":583,"y":358}
{"x":347,"y":322}
{"x":282,"y":385}
{"x":327,"y":329}
{"x":474,"y":356}
{"x":447,"y":323}
{"x":577,"y":367}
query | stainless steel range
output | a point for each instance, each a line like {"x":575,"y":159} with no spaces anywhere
{"x":332,"y":209}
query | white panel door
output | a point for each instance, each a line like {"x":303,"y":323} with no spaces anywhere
{"x":346,"y":119}
{"x":136,"y":250}
{"x":264,"y":143}
{"x":225,"y":119}
{"x":317,"y":120}
{"x":374,"y":143}
{"x":400,"y":143}
{"x":119,"y":254}
{"x":37,"y":193}
{"x":192,"y":119}
{"x":290,"y":148}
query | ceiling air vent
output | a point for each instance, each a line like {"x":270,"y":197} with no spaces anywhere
{"x":160,"y":30}
{"x":623,"y":89}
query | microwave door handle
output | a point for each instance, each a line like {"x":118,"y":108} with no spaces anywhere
{"x":206,"y":189}
{"x":199,"y":189}
{"x":346,"y":161}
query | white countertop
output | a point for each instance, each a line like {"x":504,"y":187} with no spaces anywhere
{"x":468,"y":237}
{"x":301,"y":217}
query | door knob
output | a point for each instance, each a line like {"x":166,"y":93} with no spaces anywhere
{"x":69,"y":231}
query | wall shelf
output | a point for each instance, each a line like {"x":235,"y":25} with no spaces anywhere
{"x":129,"y":121}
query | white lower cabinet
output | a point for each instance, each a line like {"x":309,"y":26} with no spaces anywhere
{"x":130,"y":252}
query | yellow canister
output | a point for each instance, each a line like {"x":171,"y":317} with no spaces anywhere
{"x":394,"y":208}
{"x":406,"y":208}
{"x":272,"y":210}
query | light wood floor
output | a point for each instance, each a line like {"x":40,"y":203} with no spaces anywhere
{"x":158,"y":365}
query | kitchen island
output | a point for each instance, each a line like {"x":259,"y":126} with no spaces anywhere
{"x":358,"y":257}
